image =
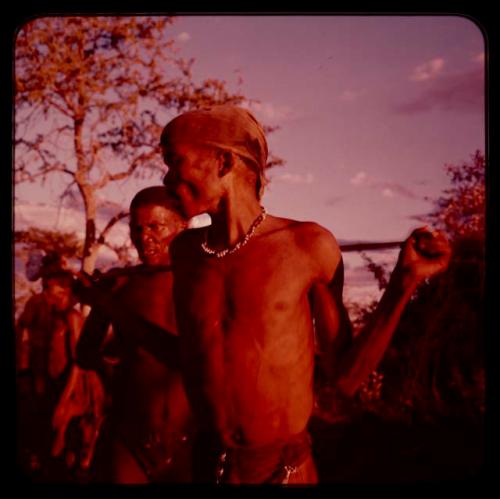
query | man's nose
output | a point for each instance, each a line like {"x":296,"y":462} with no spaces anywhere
{"x":146,"y":235}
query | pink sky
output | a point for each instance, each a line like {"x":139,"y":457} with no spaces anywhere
{"x":370,"y":108}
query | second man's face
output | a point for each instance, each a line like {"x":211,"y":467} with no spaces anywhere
{"x":152,"y":229}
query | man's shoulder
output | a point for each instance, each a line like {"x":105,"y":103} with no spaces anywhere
{"x":117,"y":277}
{"x":318,"y":244}
{"x":311,"y":238}
{"x":187,"y":243}
{"x":318,"y":241}
{"x":312,"y":234}
{"x":35,"y":302}
{"x":314,"y":229}
{"x":290,"y":225}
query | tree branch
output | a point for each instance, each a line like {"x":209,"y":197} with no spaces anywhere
{"x":110,"y":224}
{"x":111,"y":177}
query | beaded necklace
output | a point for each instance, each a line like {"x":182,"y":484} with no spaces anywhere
{"x":239,"y":244}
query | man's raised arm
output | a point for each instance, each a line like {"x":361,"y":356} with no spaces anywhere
{"x":424,"y":254}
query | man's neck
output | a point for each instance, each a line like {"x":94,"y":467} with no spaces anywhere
{"x":232,"y":221}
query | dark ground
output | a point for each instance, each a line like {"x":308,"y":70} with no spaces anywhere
{"x":370,"y":450}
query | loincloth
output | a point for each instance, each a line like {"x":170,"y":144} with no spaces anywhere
{"x":273,"y":463}
{"x":162,"y":457}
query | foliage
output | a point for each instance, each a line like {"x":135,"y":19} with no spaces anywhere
{"x":65,"y":243}
{"x":460,"y":211}
{"x":434,"y":366}
{"x":437,"y":363}
{"x":379,"y":271}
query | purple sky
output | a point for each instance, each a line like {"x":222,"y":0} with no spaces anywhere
{"x":370,"y":108}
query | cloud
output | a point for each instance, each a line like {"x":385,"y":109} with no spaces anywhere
{"x":184,"y":36}
{"x":391,"y":189}
{"x":333,"y":200}
{"x":64,"y":219}
{"x":358,"y":276}
{"x":358,"y":179}
{"x":357,"y":273}
{"x":72,"y":220}
{"x":462,"y":91}
{"x":105,"y":207}
{"x":422,"y":218}
{"x":296,"y":178}
{"x":267,"y":111}
{"x":422,"y":182}
{"x":350,"y":95}
{"x":360,"y":284}
{"x":427,"y":70}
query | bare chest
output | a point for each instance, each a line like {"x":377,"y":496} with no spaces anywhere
{"x":261,"y":286}
{"x":150,"y":296}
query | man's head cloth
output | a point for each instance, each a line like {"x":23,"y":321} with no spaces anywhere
{"x":225,"y":127}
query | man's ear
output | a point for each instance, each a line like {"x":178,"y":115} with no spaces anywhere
{"x":226,"y":162}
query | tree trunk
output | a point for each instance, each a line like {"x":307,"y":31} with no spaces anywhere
{"x":88,"y":261}
{"x":91,"y":246}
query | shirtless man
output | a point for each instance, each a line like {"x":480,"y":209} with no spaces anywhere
{"x":246,"y":290}
{"x":149,"y":418}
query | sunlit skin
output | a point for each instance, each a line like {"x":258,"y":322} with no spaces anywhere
{"x":152,"y":228}
{"x":245,"y":320}
{"x":192,"y":179}
{"x":148,"y":395}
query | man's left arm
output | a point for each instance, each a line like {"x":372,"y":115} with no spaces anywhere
{"x":423,"y":255}
{"x":332,"y":325}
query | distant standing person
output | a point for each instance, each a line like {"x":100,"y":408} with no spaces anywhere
{"x":46,"y":331}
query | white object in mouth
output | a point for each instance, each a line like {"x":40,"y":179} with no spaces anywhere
{"x":199,"y":221}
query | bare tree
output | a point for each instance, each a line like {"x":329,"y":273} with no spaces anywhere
{"x":92,"y":94}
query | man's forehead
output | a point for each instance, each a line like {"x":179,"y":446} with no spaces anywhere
{"x":152,"y":211}
{"x":186,"y":148}
{"x":225,"y":127}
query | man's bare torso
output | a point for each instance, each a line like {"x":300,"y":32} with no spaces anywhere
{"x":148,"y":392}
{"x":246,"y":327}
